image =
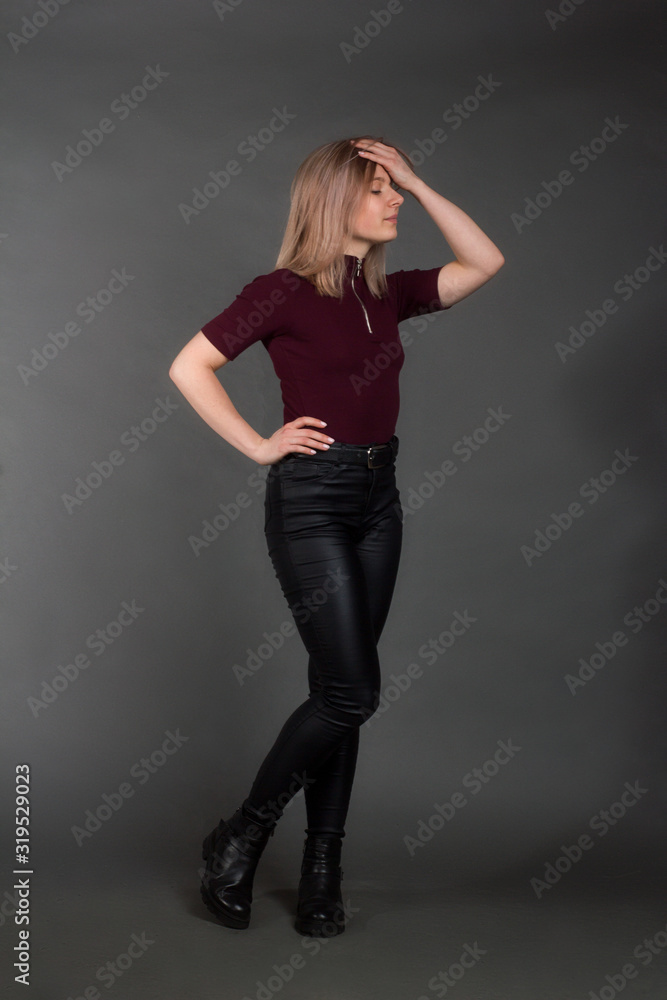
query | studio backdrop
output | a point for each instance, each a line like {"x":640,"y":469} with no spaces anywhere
{"x":149,"y":654}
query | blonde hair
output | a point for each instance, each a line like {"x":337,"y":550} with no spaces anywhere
{"x":326,"y":193}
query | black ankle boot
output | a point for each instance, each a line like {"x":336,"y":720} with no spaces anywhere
{"x":231,"y":853}
{"x":320,"y":905}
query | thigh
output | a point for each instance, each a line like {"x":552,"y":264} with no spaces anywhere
{"x":378,"y":553}
{"x":314,"y":554}
{"x":380,"y":542}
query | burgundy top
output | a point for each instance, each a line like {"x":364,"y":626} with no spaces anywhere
{"x":336,"y":360}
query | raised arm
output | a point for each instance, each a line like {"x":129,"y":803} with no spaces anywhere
{"x":477,"y":257}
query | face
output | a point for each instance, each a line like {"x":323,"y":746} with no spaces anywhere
{"x":376,"y":217}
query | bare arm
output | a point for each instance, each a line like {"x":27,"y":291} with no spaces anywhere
{"x":193,"y":371}
{"x":477,"y":257}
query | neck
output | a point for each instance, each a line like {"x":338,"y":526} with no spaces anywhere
{"x":357,"y":248}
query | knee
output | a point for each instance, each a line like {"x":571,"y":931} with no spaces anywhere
{"x":355,"y":707}
{"x":368,"y":704}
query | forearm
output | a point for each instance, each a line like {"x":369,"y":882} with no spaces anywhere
{"x":200,"y":386}
{"x":471,"y":246}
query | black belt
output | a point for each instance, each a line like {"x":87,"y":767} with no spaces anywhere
{"x":373,"y":456}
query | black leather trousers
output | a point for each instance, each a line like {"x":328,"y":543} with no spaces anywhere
{"x":334,"y":533}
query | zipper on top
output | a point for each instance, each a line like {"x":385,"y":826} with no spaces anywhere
{"x":356,"y":275}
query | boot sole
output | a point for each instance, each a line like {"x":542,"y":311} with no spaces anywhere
{"x":212,"y":904}
{"x":318,"y":928}
{"x":223,"y":916}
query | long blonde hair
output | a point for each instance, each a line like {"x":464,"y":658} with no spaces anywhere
{"x":326,"y":193}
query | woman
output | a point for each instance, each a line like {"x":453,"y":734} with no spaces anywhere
{"x":328,"y":316}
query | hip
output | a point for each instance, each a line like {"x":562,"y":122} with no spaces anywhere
{"x":305,"y":492}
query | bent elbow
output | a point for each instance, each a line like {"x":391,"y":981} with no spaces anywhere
{"x":177,"y":371}
{"x":496,"y":265}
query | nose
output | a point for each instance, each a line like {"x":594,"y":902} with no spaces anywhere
{"x":397,"y":200}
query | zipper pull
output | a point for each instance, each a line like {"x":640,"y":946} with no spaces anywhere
{"x":356,"y":275}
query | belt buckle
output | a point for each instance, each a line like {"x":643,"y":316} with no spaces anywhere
{"x":370,"y":457}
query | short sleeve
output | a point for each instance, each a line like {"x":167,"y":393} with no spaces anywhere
{"x":414,"y":292}
{"x":255,"y":314}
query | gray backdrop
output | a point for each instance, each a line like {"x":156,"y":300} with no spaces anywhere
{"x":125,"y":638}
